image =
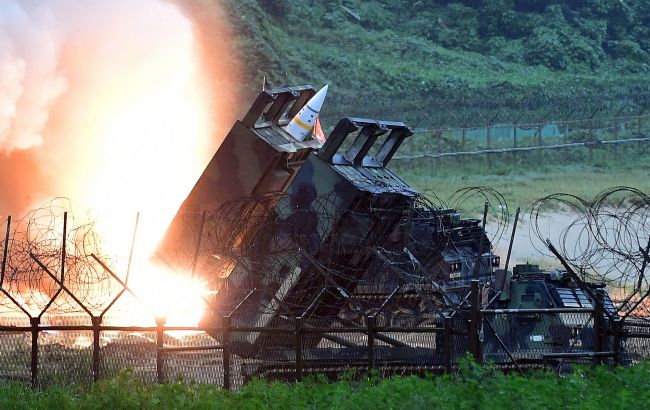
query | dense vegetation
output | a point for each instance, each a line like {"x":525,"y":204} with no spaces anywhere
{"x":464,"y":63}
{"x":451,"y":62}
{"x":473,"y":387}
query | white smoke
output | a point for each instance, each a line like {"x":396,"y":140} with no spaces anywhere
{"x":29,"y":77}
{"x":107,"y":102}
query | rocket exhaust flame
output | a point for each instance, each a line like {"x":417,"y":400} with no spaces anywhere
{"x":110,"y":104}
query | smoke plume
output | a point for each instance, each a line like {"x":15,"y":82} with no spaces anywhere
{"x":110,"y":103}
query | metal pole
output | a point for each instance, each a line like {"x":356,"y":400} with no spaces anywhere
{"x":474,"y":318}
{"x":298,"y":340}
{"x":640,"y":131}
{"x":479,"y":261}
{"x":5,"y":252}
{"x":463,"y":139}
{"x":479,"y":335}
{"x":34,"y":321}
{"x":96,"y":321}
{"x":226,"y":352}
{"x":371,"y":343}
{"x":540,"y":141}
{"x":598,"y":328}
{"x":617,"y":327}
{"x":65,"y":234}
{"x":591,"y":140}
{"x":577,"y":279}
{"x":644,"y":263}
{"x":489,"y":145}
{"x":514,"y":140}
{"x":447,"y":344}
{"x":565,"y":140}
{"x":160,"y":340}
{"x":135,"y":232}
{"x":512,"y":239}
{"x":504,"y":347}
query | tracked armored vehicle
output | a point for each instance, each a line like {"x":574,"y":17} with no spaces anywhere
{"x":543,"y":312}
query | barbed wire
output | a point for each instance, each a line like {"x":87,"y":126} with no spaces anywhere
{"x":495,"y":104}
{"x":604,"y":239}
{"x":307,"y":254}
{"x":592,"y":143}
{"x":254,"y":248}
{"x":38,"y":239}
{"x":314,"y":257}
{"x":585,"y":124}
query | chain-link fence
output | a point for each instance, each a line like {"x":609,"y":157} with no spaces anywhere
{"x":592,"y":139}
{"x":388,"y":315}
{"x":72,"y":353}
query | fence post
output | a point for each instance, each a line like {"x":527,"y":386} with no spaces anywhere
{"x":226,"y":352}
{"x":371,"y":343}
{"x":462,"y":144}
{"x":639,"y":133}
{"x":474,"y":320}
{"x":614,"y":147}
{"x":514,"y":140}
{"x":299,"y":326}
{"x":598,"y":329}
{"x":617,"y":328}
{"x":489,"y":145}
{"x":447,"y":344}
{"x":566,"y":132}
{"x":565,"y":140}
{"x":34,"y":322}
{"x":96,"y":321}
{"x":540,"y":142}
{"x":437,"y":147}
{"x":160,"y":340}
{"x":591,"y":142}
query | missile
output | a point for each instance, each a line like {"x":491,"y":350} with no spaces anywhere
{"x":303,"y":123}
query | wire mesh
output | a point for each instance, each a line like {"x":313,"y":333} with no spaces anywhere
{"x":527,"y":337}
{"x":406,"y":265}
{"x":15,"y":356}
{"x":201,"y":366}
{"x":135,"y":351}
{"x":635,"y":342}
{"x":64,"y":358}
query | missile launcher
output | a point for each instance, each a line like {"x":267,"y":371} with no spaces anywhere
{"x":257,"y":157}
{"x":327,"y":234}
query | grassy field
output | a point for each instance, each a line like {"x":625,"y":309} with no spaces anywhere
{"x":474,"y":387}
{"x":521,"y":185}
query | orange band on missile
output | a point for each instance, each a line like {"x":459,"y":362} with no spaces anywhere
{"x":302,"y":124}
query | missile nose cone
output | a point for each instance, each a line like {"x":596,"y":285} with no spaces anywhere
{"x":303,"y":123}
{"x":316,"y":102}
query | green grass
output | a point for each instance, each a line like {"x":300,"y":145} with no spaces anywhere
{"x":474,"y":387}
{"x":521,"y":183}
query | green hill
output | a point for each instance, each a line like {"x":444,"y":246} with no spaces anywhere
{"x":454,"y":63}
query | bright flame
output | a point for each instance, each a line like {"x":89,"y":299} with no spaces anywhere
{"x":130,"y":126}
{"x":179,"y":299}
{"x":151,"y":128}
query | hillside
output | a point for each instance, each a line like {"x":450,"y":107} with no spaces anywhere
{"x":452,"y":63}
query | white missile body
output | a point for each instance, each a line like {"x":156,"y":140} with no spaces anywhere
{"x":303,"y":123}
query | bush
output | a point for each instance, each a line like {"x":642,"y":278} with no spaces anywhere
{"x":474,"y":386}
{"x":545,"y":47}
